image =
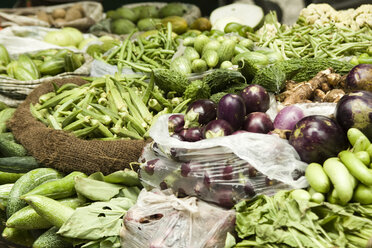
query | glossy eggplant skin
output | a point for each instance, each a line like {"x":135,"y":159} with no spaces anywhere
{"x":360,"y":77}
{"x":355,"y":110}
{"x":200,"y":112}
{"x":258,"y":122}
{"x":231,"y":108}
{"x":217,"y":128}
{"x":317,"y":137}
{"x":256,"y":98}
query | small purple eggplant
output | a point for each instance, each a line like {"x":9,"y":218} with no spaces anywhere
{"x":217,"y":128}
{"x":200,"y":112}
{"x":176,"y":123}
{"x":249,"y":189}
{"x":192,"y":134}
{"x":256,"y":98}
{"x":185,"y":169}
{"x":227,"y":173}
{"x":150,"y":166}
{"x":231,"y":108}
{"x":258,"y":122}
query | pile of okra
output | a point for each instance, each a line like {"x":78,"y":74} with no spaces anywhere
{"x":108,"y":108}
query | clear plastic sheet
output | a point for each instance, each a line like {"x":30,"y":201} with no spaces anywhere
{"x":221,"y":170}
{"x":161,"y":220}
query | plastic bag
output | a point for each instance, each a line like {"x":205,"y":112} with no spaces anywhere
{"x":221,"y":170}
{"x":161,"y":220}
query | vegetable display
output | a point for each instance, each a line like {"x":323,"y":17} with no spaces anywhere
{"x":349,"y":173}
{"x":108,"y":108}
{"x":41,"y":64}
{"x":289,"y":220}
{"x":62,"y":219}
{"x":147,"y":52}
{"x":325,"y":40}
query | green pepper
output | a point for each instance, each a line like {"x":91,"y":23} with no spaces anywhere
{"x":243,"y":30}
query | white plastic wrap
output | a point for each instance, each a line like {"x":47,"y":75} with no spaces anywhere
{"x":222,"y":170}
{"x":161,"y":220}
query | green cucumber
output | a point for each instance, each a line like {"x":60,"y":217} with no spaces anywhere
{"x":363,"y":194}
{"x":27,"y":218}
{"x":9,"y":148}
{"x":211,"y":58}
{"x":6,"y":177}
{"x":18,"y":164}
{"x":198,"y":66}
{"x":7,"y":135}
{"x":51,"y":210}
{"x":18,"y":236}
{"x":364,"y":157}
{"x":4,"y":194}
{"x":5,"y":115}
{"x":317,"y":178}
{"x":354,"y":134}
{"x":50,"y":239}
{"x":340,"y":178}
{"x":57,"y":189}
{"x":226,"y":50}
{"x":26,"y":183}
{"x":356,"y":167}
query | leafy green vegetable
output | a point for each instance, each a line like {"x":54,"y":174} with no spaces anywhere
{"x":109,"y":242}
{"x":98,"y":220}
{"x":281,"y":221}
{"x":127,"y":177}
{"x":96,"y":190}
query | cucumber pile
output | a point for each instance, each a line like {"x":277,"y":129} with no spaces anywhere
{"x":345,"y":178}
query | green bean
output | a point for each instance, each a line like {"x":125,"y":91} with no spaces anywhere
{"x":136,"y":66}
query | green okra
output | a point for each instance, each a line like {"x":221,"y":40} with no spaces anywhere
{"x":85,"y":131}
{"x":102,"y":128}
{"x":70,"y":118}
{"x":141,"y":107}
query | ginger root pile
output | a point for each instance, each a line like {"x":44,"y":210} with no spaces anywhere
{"x":326,"y":86}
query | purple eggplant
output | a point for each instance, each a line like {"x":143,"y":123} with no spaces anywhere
{"x":217,"y":128}
{"x":224,"y":196}
{"x":191,"y":134}
{"x":249,"y":189}
{"x":231,"y":108}
{"x":176,"y":123}
{"x":287,"y":118}
{"x":185,"y":169}
{"x":360,"y":77}
{"x":227,"y":173}
{"x":150,"y":166}
{"x":355,"y":110}
{"x":256,"y":98}
{"x":258,"y":122}
{"x":317,"y":137}
{"x":200,"y":112}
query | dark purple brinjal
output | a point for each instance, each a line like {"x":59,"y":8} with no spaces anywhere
{"x":176,"y":123}
{"x":360,"y":77}
{"x":249,"y":189}
{"x":355,"y":110}
{"x":185,"y":169}
{"x":317,"y":137}
{"x":227,"y":173}
{"x":200,"y":112}
{"x":217,"y":128}
{"x":231,"y":108}
{"x":224,"y":196}
{"x":256,"y":98}
{"x":191,"y":134}
{"x":258,"y":122}
{"x":150,"y":166}
{"x":177,"y":136}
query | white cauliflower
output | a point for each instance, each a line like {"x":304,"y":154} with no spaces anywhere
{"x":324,"y":13}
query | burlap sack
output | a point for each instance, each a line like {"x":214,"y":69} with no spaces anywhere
{"x":63,"y":151}
{"x":20,"y":16}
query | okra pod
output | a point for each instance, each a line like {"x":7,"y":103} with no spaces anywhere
{"x":70,"y":118}
{"x":138,"y":103}
{"x":102,"y":128}
{"x":85,"y":131}
{"x":139,"y":128}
